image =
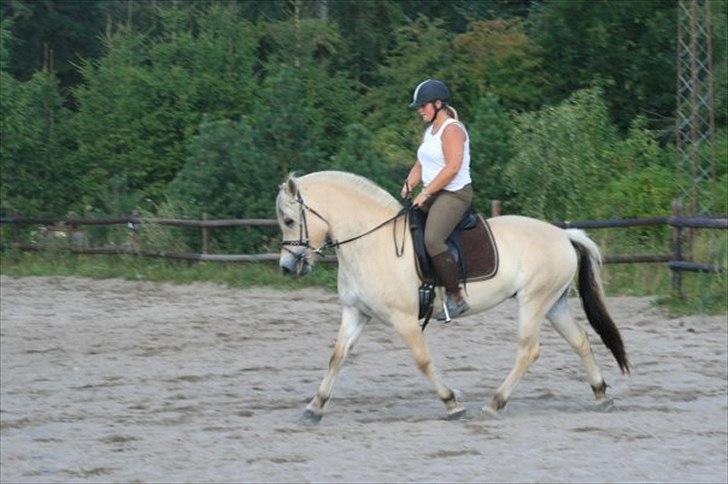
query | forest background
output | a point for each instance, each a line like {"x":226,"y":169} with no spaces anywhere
{"x":180,"y":108}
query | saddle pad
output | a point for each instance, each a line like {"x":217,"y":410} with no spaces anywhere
{"x":479,"y":253}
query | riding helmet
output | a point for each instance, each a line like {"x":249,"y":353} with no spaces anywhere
{"x":428,"y":91}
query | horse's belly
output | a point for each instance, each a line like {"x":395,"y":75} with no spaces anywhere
{"x":487,"y":294}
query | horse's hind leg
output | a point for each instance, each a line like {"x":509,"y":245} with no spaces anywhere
{"x":411,"y":332}
{"x":352,"y":323}
{"x":563,"y":322}
{"x":531,"y":313}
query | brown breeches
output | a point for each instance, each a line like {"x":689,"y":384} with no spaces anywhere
{"x":444,"y":211}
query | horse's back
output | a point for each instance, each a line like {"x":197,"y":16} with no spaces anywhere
{"x":527,"y":228}
{"x":533,"y":246}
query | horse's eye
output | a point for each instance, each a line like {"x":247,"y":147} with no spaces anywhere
{"x":288,"y":222}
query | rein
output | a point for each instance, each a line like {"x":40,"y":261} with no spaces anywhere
{"x":303,"y":231}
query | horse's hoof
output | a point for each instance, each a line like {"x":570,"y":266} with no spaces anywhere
{"x":310,"y":417}
{"x":459,"y":413}
{"x":600,"y":391}
{"x":489,"y":413}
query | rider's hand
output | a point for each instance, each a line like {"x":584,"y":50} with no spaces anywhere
{"x":421,"y":198}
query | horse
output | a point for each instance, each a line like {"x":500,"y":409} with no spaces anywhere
{"x":377,"y":278}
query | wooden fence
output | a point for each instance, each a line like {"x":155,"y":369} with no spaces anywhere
{"x":678,"y":260}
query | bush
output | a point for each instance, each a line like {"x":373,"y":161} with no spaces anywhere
{"x":358,"y":155}
{"x":491,"y":149}
{"x":145,"y":97}
{"x":38,"y":174}
{"x":562,"y":153}
{"x":225,"y":178}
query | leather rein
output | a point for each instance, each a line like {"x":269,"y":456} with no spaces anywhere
{"x":303,"y":238}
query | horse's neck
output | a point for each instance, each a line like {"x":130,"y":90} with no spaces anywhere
{"x":375,"y":262}
{"x":351,"y":213}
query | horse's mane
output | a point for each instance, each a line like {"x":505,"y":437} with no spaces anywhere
{"x":356,"y":183}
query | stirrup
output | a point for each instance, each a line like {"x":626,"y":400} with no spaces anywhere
{"x":451,"y":309}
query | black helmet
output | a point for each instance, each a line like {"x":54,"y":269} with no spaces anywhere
{"x":428,"y":91}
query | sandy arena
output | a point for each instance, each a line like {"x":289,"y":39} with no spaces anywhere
{"x":110,"y":380}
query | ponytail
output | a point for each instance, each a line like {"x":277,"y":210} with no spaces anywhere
{"x":452,"y":112}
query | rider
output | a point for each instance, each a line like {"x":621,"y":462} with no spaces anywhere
{"x":443,"y":166}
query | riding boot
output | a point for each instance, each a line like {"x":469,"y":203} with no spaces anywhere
{"x":448,"y":274}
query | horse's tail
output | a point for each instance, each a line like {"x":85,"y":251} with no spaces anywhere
{"x":592,"y":295}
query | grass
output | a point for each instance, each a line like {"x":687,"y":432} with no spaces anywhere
{"x":701,"y":293}
{"x":240,"y":275}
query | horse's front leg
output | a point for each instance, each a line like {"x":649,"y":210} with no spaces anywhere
{"x":352,"y":323}
{"x":408,"y":327}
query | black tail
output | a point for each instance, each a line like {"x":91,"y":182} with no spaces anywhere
{"x":596,"y":312}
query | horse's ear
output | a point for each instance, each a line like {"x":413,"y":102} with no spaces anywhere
{"x":290,"y":186}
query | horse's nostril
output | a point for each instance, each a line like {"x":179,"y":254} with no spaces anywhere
{"x":285,"y":270}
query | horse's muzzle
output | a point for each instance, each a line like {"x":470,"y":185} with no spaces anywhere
{"x":293,"y":266}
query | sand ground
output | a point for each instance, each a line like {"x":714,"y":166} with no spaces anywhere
{"x":114,"y":380}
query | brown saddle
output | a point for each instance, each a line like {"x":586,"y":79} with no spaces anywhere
{"x":471,"y":245}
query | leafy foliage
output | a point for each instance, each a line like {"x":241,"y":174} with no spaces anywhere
{"x":359,"y":155}
{"x":562,"y":101}
{"x":303,"y":105}
{"x":492,"y":53}
{"x":223,"y":177}
{"x":563,"y":154}
{"x":38,"y":173}
{"x":628,"y":48}
{"x":491,"y":150}
{"x":143,"y":100}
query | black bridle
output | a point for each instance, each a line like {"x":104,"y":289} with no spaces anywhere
{"x":303,"y":238}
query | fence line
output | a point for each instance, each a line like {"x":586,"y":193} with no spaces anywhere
{"x":676,"y":261}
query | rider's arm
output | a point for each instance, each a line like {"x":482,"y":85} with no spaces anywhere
{"x":413,"y":179}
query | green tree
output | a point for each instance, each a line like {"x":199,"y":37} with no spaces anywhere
{"x":56,"y":34}
{"x":498,"y":57}
{"x":37,"y":173}
{"x":142,"y":100}
{"x":628,"y":48}
{"x":368,"y":29}
{"x":422,"y":50}
{"x":644,"y":182}
{"x":563,"y":154}
{"x":225,"y":178}
{"x":491,"y":149}
{"x":358,"y":155}
{"x":304,"y":103}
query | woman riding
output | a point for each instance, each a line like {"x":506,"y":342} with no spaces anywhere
{"x":443,"y":167}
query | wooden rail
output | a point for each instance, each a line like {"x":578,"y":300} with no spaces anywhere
{"x":270,"y":257}
{"x":675,"y":261}
{"x":252,"y":222}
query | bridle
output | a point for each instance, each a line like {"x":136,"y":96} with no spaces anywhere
{"x":303,"y":238}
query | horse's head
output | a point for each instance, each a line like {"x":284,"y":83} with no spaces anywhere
{"x":303,"y":229}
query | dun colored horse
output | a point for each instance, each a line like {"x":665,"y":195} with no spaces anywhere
{"x":377,"y":278}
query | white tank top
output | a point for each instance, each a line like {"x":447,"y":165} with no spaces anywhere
{"x":432,"y":159}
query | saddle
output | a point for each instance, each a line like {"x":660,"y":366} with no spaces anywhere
{"x":471,"y":246}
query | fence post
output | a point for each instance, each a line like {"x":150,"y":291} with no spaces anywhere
{"x":134,"y":234}
{"x":495,"y":208}
{"x":203,"y":241}
{"x":72,"y":237}
{"x":676,"y":249}
{"x":16,"y":234}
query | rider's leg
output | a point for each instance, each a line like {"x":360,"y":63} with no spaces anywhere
{"x":445,"y":212}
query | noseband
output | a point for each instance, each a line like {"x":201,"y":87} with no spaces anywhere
{"x":303,"y":239}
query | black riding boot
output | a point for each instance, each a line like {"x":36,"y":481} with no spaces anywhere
{"x":448,"y":274}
